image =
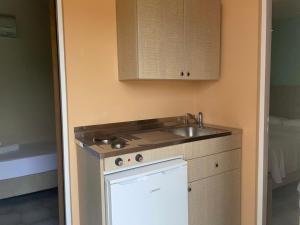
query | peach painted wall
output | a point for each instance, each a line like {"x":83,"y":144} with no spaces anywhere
{"x":96,"y":96}
{"x":94,"y":93}
{"x":233,"y":101}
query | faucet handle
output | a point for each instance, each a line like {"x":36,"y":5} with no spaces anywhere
{"x":187,"y":117}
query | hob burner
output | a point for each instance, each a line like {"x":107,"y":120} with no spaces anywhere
{"x":114,"y":142}
{"x":118,"y":144}
{"x":104,"y":140}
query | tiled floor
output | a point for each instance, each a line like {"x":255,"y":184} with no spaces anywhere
{"x":42,"y":209}
{"x":285,"y":207}
{"x":34,"y":209}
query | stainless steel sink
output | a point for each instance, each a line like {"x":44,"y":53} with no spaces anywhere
{"x":194,"y":131}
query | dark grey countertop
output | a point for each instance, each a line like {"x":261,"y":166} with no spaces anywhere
{"x":141,"y":135}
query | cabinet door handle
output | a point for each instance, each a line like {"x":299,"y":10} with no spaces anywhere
{"x":216,"y":164}
{"x":188,"y":74}
{"x":189,"y":189}
{"x":182,"y":74}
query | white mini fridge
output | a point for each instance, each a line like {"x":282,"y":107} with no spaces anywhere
{"x":150,"y":195}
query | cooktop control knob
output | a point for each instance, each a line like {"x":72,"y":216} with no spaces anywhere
{"x":139,"y":158}
{"x":119,"y":162}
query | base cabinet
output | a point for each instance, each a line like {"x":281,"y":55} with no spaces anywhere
{"x":215,"y":200}
{"x":213,"y":174}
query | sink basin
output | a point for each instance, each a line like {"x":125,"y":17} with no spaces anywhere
{"x":194,"y":131}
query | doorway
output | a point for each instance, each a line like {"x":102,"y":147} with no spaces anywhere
{"x":279,"y":134}
{"x":31,"y":154}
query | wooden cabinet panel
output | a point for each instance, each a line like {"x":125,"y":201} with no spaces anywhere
{"x":216,"y":200}
{"x":127,"y":39}
{"x":215,"y":164}
{"x":212,"y":146}
{"x":202,"y":38}
{"x":160,"y":38}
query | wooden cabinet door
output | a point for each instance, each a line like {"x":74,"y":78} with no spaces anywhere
{"x":215,"y":200}
{"x":160,"y":39}
{"x":202,"y":22}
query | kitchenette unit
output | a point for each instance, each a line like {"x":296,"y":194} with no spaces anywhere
{"x":169,"y":171}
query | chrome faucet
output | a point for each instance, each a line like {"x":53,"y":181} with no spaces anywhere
{"x":198,"y":119}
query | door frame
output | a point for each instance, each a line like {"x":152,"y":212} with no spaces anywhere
{"x":64,"y":111}
{"x":264,"y":98}
{"x":265,"y":64}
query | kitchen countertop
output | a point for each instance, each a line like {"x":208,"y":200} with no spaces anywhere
{"x":141,"y":135}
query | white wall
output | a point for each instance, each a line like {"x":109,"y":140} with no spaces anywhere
{"x":26,"y":88}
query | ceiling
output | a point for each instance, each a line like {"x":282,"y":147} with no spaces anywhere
{"x":285,"y":9}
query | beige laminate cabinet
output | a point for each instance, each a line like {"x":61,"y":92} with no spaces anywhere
{"x":202,"y":38}
{"x":201,"y":168}
{"x":168,"y":39}
{"x":215,"y":200}
{"x":214,"y":178}
{"x":160,"y":39}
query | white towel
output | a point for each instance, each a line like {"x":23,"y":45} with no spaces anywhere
{"x":9,"y":148}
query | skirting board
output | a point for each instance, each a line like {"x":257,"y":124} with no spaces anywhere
{"x":28,"y":184}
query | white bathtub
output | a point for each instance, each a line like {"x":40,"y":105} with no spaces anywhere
{"x":28,"y":160}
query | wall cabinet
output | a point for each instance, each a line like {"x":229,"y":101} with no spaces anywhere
{"x":168,"y":39}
